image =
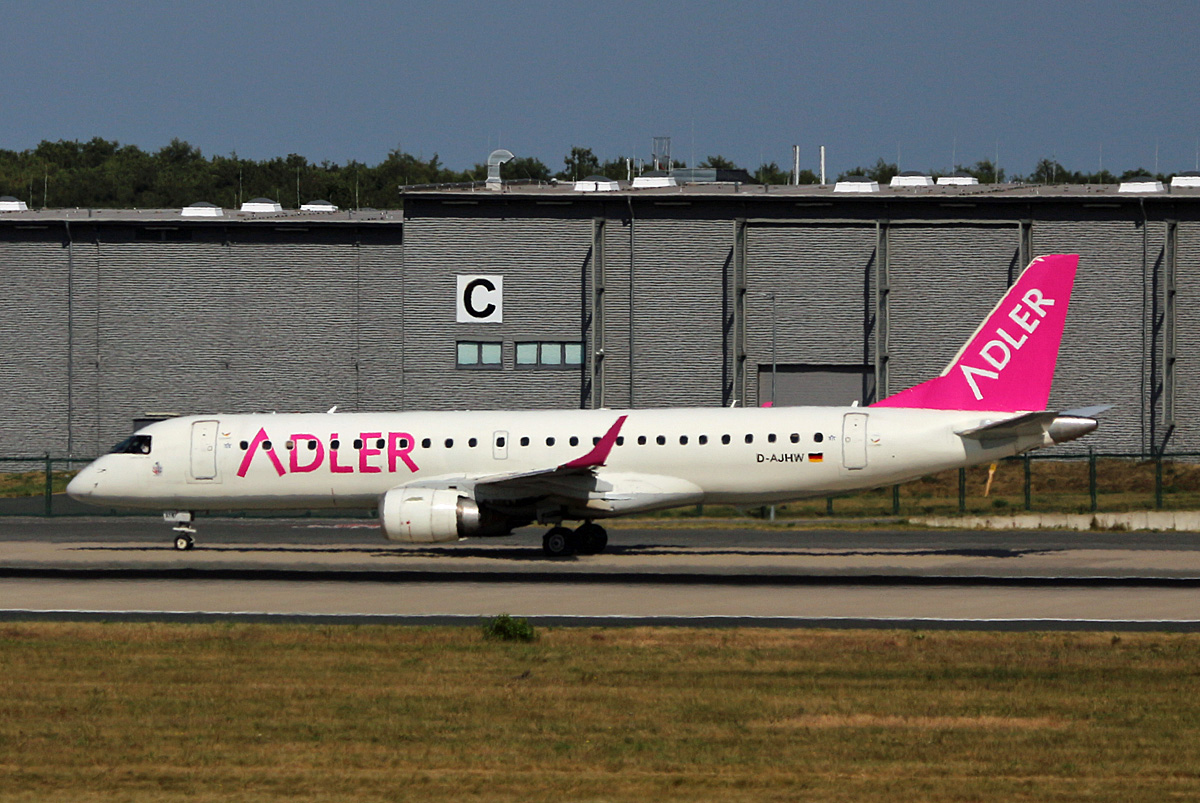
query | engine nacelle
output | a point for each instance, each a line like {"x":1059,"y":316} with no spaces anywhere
{"x":433,"y":515}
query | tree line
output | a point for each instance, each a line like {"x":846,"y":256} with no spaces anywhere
{"x":101,"y":173}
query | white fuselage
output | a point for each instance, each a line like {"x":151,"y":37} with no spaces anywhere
{"x":663,"y":458}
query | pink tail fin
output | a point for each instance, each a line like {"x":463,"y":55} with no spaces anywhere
{"x":1008,"y":364}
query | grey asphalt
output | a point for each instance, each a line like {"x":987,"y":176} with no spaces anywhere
{"x":712,"y":574}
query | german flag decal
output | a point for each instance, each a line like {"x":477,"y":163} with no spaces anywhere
{"x":816,"y":457}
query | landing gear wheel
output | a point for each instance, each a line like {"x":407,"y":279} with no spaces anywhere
{"x":559,"y":542}
{"x":184,"y":542}
{"x":592,"y":538}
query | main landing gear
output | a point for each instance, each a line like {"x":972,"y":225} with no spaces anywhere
{"x":586,"y":539}
{"x":183,"y":528}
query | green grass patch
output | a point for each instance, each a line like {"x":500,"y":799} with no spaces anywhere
{"x":33,"y":483}
{"x":269,"y":712}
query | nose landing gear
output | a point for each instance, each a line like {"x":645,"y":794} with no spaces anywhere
{"x":587,"y":539}
{"x":183,"y":528}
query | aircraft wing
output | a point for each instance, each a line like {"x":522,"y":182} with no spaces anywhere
{"x":561,"y":480}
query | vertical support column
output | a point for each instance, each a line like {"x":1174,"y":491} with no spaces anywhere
{"x":739,"y":311}
{"x":49,"y":489}
{"x":596,"y":316}
{"x":1024,"y":247}
{"x":882,"y":292}
{"x":1169,"y":324}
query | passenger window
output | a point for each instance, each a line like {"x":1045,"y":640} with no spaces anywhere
{"x":725,"y":439}
{"x":290,"y":445}
{"x":683,"y":440}
{"x":266,"y":445}
{"x":641,"y":440}
{"x":335,"y":445}
{"x":500,"y":442}
{"x":426,"y":443}
{"x":771,"y":438}
{"x":449,"y":442}
{"x":703,"y":439}
{"x":574,"y":441}
{"x":472,"y":443}
{"x":358,"y":444}
{"x":524,"y":441}
{"x":795,"y":437}
{"x":549,"y":441}
{"x":595,"y":440}
{"x":749,"y":439}
{"x":379,"y":443}
{"x":245,"y":445}
{"x":661,"y":440}
{"x":818,"y":437}
{"x":403,"y":444}
{"x":620,"y":440}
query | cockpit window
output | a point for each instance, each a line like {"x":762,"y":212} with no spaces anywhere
{"x":134,"y":444}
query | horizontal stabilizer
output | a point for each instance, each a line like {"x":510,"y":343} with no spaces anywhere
{"x":1027,"y":424}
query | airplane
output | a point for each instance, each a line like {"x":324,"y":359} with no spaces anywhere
{"x":445,"y":476}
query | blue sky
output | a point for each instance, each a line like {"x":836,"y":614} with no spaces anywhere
{"x":339,"y":80}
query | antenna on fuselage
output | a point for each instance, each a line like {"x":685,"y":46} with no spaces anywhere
{"x":332,"y":409}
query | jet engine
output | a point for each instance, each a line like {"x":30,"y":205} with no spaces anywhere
{"x":433,"y":515}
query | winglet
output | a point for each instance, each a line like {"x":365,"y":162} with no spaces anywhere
{"x":1008,"y":363}
{"x":599,"y":453}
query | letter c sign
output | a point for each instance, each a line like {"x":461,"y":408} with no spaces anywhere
{"x":480,"y":299}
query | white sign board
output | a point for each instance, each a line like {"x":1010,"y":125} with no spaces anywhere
{"x":480,"y":299}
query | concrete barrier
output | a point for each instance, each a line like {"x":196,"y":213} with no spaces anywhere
{"x":1178,"y":520}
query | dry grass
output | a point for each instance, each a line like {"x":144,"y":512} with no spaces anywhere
{"x":33,"y":483}
{"x":258,"y":712}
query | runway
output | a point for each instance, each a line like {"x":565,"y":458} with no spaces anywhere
{"x":713,"y":574}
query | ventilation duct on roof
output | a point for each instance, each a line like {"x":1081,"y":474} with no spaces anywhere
{"x":911,"y":178}
{"x":1142,"y":184}
{"x":261,"y":205}
{"x":495,"y":159}
{"x":318,"y":206}
{"x":1186,"y":181}
{"x":202,"y":209}
{"x":856,"y":184}
{"x":596,"y":184}
{"x":649,"y":182}
{"x":11,"y":204}
{"x":957,"y":180}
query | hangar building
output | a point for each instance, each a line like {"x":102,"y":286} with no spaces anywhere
{"x":545,"y":296}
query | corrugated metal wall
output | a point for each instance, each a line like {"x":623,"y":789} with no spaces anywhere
{"x":543,"y":262}
{"x":106,"y":324}
{"x":945,"y":279}
{"x":680,"y":270}
{"x":822,"y":277}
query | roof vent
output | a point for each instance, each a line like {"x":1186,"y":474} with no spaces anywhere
{"x":1183,"y":181}
{"x":1142,"y":184}
{"x":911,"y":178}
{"x":11,"y":204}
{"x":318,"y":206}
{"x":261,"y":205}
{"x":202,"y":209}
{"x":957,"y":180}
{"x":856,"y":184}
{"x":495,"y":159}
{"x":650,"y":182}
{"x":596,"y":184}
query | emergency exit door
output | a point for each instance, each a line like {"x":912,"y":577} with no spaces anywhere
{"x":854,"y":440}
{"x":204,"y":450}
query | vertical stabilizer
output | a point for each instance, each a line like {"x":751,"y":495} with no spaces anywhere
{"x":1007,"y":365}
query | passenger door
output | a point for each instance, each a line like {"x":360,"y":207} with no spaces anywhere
{"x":854,"y":440}
{"x":204,"y":450}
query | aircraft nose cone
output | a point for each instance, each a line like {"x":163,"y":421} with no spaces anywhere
{"x":82,"y":485}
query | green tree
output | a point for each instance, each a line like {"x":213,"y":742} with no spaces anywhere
{"x":719,"y":162}
{"x":579,"y":163}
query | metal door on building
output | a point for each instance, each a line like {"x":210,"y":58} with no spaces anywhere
{"x":500,"y":444}
{"x":854,"y":440}
{"x":204,"y":450}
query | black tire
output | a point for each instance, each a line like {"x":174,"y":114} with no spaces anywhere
{"x":184,"y":542}
{"x":559,"y":542}
{"x":592,"y":538}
